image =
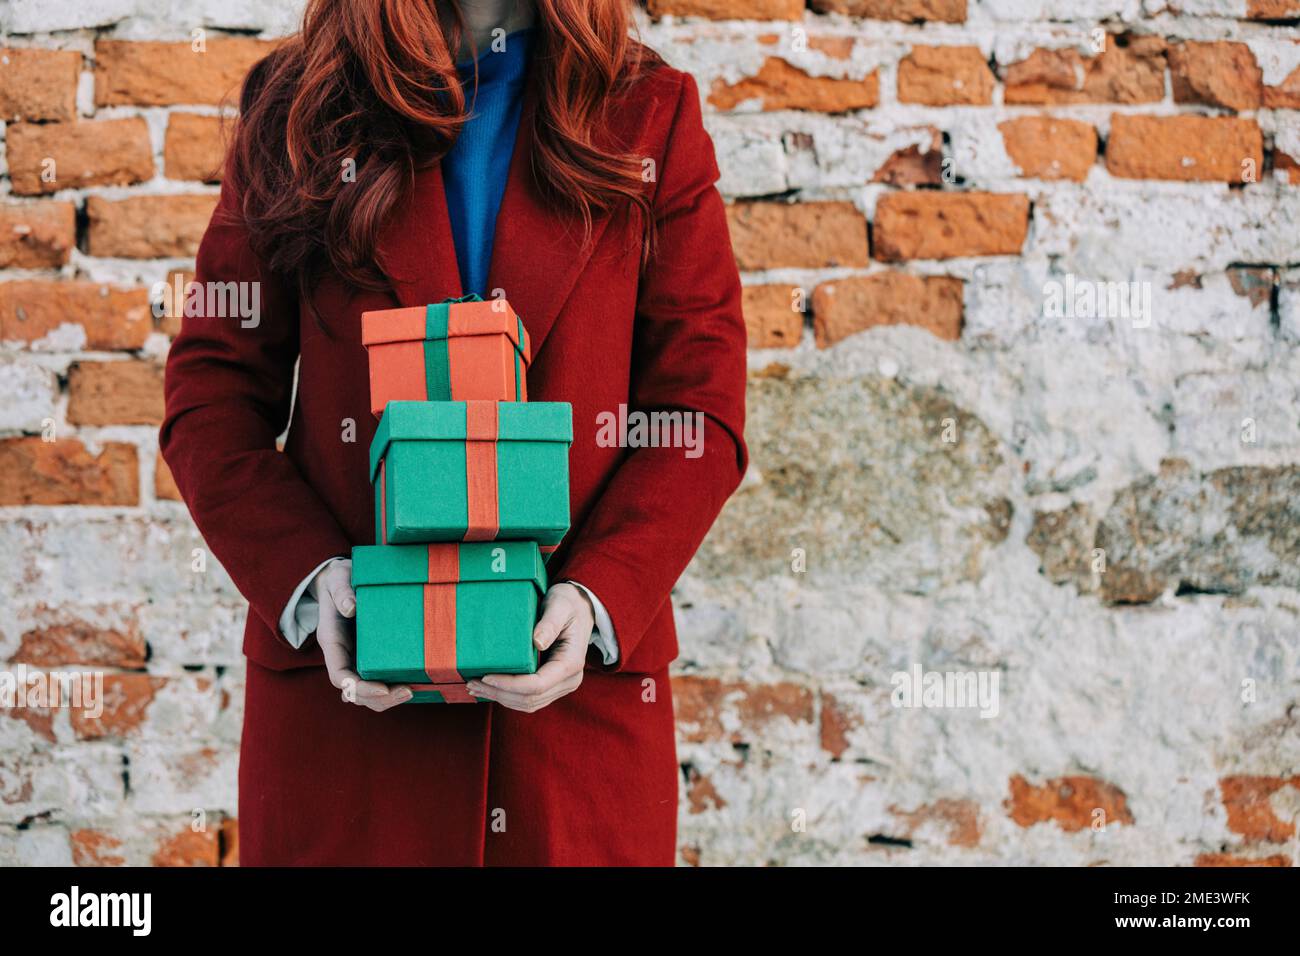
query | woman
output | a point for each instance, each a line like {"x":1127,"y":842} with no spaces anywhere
{"x":400,"y":152}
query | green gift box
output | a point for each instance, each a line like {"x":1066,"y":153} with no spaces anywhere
{"x":472,"y":471}
{"x":434,"y":615}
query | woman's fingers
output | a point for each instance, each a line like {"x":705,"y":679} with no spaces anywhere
{"x":560,"y":674}
{"x":527,"y":703}
{"x":339,"y":666}
{"x":368,"y":693}
{"x":397,"y":694}
{"x":338,"y":588}
{"x":557,"y":614}
{"x":334,"y":635}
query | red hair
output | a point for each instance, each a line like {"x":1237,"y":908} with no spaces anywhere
{"x":371,"y":85}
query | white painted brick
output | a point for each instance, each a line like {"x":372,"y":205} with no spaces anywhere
{"x":35,"y":846}
{"x":1108,"y":229}
{"x":181,"y":778}
{"x":75,"y":781}
{"x":44,"y":16}
{"x":31,"y":394}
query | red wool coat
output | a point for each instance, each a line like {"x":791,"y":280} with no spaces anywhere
{"x":591,"y":779}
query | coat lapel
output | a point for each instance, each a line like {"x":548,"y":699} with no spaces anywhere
{"x":537,"y":253}
{"x":416,"y":249}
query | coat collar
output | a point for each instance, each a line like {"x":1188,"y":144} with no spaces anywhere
{"x":537,"y":253}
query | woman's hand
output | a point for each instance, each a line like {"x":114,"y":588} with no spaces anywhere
{"x":332,"y":587}
{"x":562,"y":635}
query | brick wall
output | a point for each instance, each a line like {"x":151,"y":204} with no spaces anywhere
{"x":952,"y":471}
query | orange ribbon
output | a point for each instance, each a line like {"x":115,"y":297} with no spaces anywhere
{"x":440,"y":614}
{"x":481,"y":471}
{"x":451,"y":693}
{"x":440,"y":626}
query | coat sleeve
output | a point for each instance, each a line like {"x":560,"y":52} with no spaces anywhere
{"x":688,"y":355}
{"x":228,"y":390}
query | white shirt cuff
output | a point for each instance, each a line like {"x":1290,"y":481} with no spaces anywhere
{"x":301,"y":615}
{"x":603,"y":636}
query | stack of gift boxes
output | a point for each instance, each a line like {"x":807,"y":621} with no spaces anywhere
{"x":471,"y":489}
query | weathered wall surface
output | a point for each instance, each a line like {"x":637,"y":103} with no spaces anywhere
{"x":950,"y":473}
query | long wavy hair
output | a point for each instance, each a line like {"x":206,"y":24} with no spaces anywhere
{"x":370,"y":86}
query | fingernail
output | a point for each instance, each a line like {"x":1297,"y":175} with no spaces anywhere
{"x":349,"y":606}
{"x":489,"y":682}
{"x":403,"y":696}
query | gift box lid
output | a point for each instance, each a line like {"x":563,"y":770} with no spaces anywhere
{"x":444,"y":320}
{"x":446,"y":421}
{"x":377,"y":564}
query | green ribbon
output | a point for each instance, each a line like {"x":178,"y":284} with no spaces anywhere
{"x":437,"y":364}
{"x":519,"y":372}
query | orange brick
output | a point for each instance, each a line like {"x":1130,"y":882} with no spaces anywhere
{"x":39,"y":719}
{"x":189,"y":848}
{"x":38,"y":84}
{"x":229,"y":837}
{"x":780,"y":86}
{"x":37,"y":235}
{"x":147,"y":227}
{"x":1289,"y":166}
{"x":1045,"y":147}
{"x":836,"y":723}
{"x":1247,"y":800}
{"x":61,"y":638}
{"x":169,"y":322}
{"x":111,"y":318}
{"x":48,"y":157}
{"x":1129,"y":70}
{"x":914,"y":166}
{"x":701,"y":702}
{"x":1286,"y":95}
{"x":1227,"y":859}
{"x":701,"y":794}
{"x":1071,"y":802}
{"x":770,"y":317}
{"x":770,"y":235}
{"x":837,"y":48}
{"x":945,"y":76}
{"x":842,"y":307}
{"x":95,"y":848}
{"x":164,"y":485}
{"x":1273,"y":9}
{"x":940,"y":225}
{"x":959,"y":818}
{"x":115,"y":393}
{"x":194,"y":148}
{"x":147,"y":73}
{"x":1217,"y":74}
{"x":36,"y":472}
{"x":126,"y":704}
{"x":727,"y":9}
{"x":908,"y":11}
{"x":1189,"y":148}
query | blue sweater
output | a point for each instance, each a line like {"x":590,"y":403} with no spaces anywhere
{"x":475,"y":170}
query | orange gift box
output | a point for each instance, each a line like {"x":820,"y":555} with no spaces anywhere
{"x":461,"y":350}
